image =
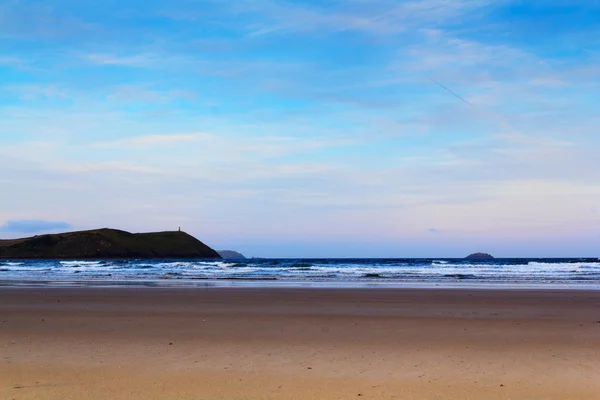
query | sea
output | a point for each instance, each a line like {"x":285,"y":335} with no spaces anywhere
{"x":443,"y":272}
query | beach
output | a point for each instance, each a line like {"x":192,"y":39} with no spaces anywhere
{"x":295,"y":343}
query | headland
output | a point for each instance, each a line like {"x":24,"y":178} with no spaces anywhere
{"x":106,"y":244}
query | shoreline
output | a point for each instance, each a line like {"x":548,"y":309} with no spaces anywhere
{"x":294,"y":284}
{"x":93,"y":343}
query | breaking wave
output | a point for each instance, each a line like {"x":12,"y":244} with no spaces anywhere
{"x":512,"y":271}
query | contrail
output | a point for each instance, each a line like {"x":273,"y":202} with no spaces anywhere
{"x":450,"y":91}
{"x":498,"y":117}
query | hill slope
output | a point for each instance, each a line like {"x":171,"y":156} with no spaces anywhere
{"x":106,"y":243}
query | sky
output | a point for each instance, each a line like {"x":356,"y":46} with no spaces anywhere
{"x":379,"y":128}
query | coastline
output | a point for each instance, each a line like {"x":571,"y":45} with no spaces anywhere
{"x":300,"y":343}
{"x":294,"y":284}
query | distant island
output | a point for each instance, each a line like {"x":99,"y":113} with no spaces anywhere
{"x":106,"y":243}
{"x":231,"y":255}
{"x":479,"y":256}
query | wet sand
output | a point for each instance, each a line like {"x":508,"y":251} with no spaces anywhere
{"x":127,"y":343}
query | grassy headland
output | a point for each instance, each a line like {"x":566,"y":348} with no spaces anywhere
{"x":106,"y":243}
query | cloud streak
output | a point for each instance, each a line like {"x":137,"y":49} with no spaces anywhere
{"x":32,"y":226}
{"x":383,"y":17}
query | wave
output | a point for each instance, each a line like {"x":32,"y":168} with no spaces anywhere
{"x":174,"y":264}
{"x":301,"y":266}
{"x":224,"y":264}
{"x":80,"y":263}
{"x":461,"y":276}
{"x":594,"y":264}
{"x":372,"y":275}
{"x":194,"y":264}
{"x":543,"y":271}
{"x":171,"y":275}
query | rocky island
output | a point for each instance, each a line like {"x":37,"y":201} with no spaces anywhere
{"x":106,"y":243}
{"x":231,"y":255}
{"x":479,"y":256}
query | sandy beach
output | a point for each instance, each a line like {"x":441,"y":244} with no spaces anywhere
{"x":128,"y":343}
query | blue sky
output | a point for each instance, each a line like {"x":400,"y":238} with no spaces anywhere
{"x":306,"y":128}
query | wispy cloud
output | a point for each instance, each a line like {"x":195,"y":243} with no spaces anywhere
{"x":35,"y":92}
{"x":147,"y":94}
{"x":24,"y":22}
{"x":155,"y":140}
{"x":15,"y":62}
{"x":136,"y":60}
{"x":32,"y":226}
{"x":381,"y":17}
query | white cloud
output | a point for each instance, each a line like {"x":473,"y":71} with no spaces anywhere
{"x":15,"y":62}
{"x":145,"y":94}
{"x":36,"y":92}
{"x":162,"y":139}
{"x":136,"y":60}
